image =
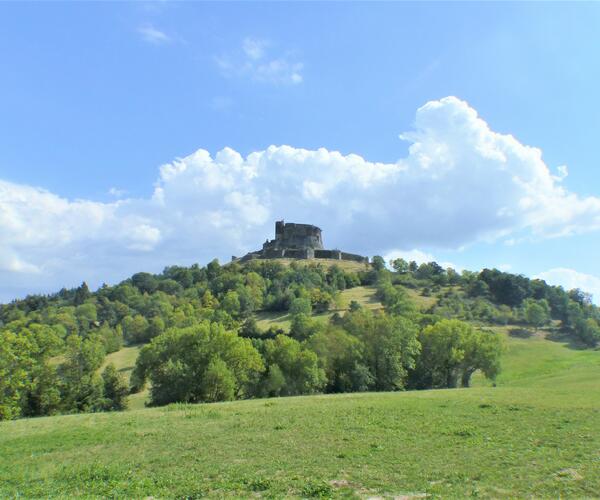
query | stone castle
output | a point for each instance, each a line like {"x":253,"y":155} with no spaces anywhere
{"x":298,"y":241}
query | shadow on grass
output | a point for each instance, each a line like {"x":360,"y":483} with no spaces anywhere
{"x":520,"y":333}
{"x":565,"y":338}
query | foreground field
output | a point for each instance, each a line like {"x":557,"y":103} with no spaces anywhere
{"x":535,"y":434}
{"x":501,"y":442}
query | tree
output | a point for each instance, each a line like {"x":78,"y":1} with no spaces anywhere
{"x":588,"y":331}
{"x":300,"y":305}
{"x":399,"y":265}
{"x":81,"y":294}
{"x":341,"y":356}
{"x":250,"y":328}
{"x":15,"y":363}
{"x":537,"y":313}
{"x":231,"y":303}
{"x":378,"y":263}
{"x":297,"y":371}
{"x":303,"y":327}
{"x":115,"y":389}
{"x":81,"y":387}
{"x":181,"y":364}
{"x":170,"y":286}
{"x":219,"y":382}
{"x":135,"y":329}
{"x":354,"y":306}
{"x":145,"y":282}
{"x":390,"y":346}
{"x":320,"y":300}
{"x":452,"y":350}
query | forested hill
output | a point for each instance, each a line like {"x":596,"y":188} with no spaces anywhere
{"x":202,"y":342}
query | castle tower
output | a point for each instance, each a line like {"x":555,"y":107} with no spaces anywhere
{"x":279,"y":229}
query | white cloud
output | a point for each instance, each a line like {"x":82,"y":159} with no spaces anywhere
{"x":460,"y":183}
{"x":254,"y":48}
{"x":419,"y":257}
{"x":254,"y":62}
{"x":570,"y":279}
{"x":117,"y":193}
{"x":153,"y":35}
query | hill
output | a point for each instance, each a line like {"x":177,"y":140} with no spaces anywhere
{"x":532,"y":435}
{"x":523,"y":352}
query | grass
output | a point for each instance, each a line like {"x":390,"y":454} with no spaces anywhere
{"x":423,"y":302}
{"x":498,"y":442}
{"x":533,"y":435}
{"x":124,"y":361}
{"x":346,"y":265}
{"x":364,"y":295}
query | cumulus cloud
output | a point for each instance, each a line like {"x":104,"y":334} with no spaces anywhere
{"x":419,"y":257}
{"x":254,"y":62}
{"x":460,"y":182}
{"x":570,"y":279}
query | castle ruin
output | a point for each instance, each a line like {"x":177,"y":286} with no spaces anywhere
{"x":298,"y":241}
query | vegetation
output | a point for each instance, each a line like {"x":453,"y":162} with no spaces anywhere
{"x":200,"y":340}
{"x":262,"y":331}
{"x":534,"y":435}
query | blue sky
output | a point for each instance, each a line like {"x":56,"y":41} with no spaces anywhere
{"x":95,"y":97}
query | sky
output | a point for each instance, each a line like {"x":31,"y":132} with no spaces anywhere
{"x":134,"y":136}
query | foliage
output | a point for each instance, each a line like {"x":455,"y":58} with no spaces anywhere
{"x":53,"y":346}
{"x":452,"y":351}
{"x":204,"y":362}
{"x":115,"y":390}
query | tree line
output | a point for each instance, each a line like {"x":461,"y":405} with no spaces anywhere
{"x":202,"y":343}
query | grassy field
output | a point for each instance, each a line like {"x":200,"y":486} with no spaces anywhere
{"x":346,"y":265}
{"x":364,"y":295}
{"x":533,"y":435}
{"x":124,"y":361}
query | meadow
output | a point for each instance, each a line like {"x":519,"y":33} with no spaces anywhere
{"x":532,"y":434}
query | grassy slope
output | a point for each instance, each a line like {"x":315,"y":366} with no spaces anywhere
{"x":533,"y":434}
{"x":124,"y":361}
{"x":364,"y":295}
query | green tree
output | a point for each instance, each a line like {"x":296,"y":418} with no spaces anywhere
{"x":231,"y":303}
{"x":300,"y":305}
{"x":15,"y":364}
{"x":219,"y":382}
{"x":537,"y":313}
{"x":115,"y":389}
{"x":135,"y":329}
{"x":145,"y":282}
{"x":297,"y":369}
{"x":390,"y":346}
{"x":81,"y":387}
{"x":399,"y":265}
{"x":378,"y":263}
{"x":588,"y":331}
{"x":341,"y":356}
{"x":177,"y":363}
{"x":451,"y":351}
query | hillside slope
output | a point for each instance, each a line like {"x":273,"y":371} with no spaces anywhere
{"x":533,"y":434}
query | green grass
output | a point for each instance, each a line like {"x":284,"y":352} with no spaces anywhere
{"x":124,"y":361}
{"x":533,"y":435}
{"x":421,"y":301}
{"x":499,"y":442}
{"x":535,"y":362}
{"x":364,"y":295}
